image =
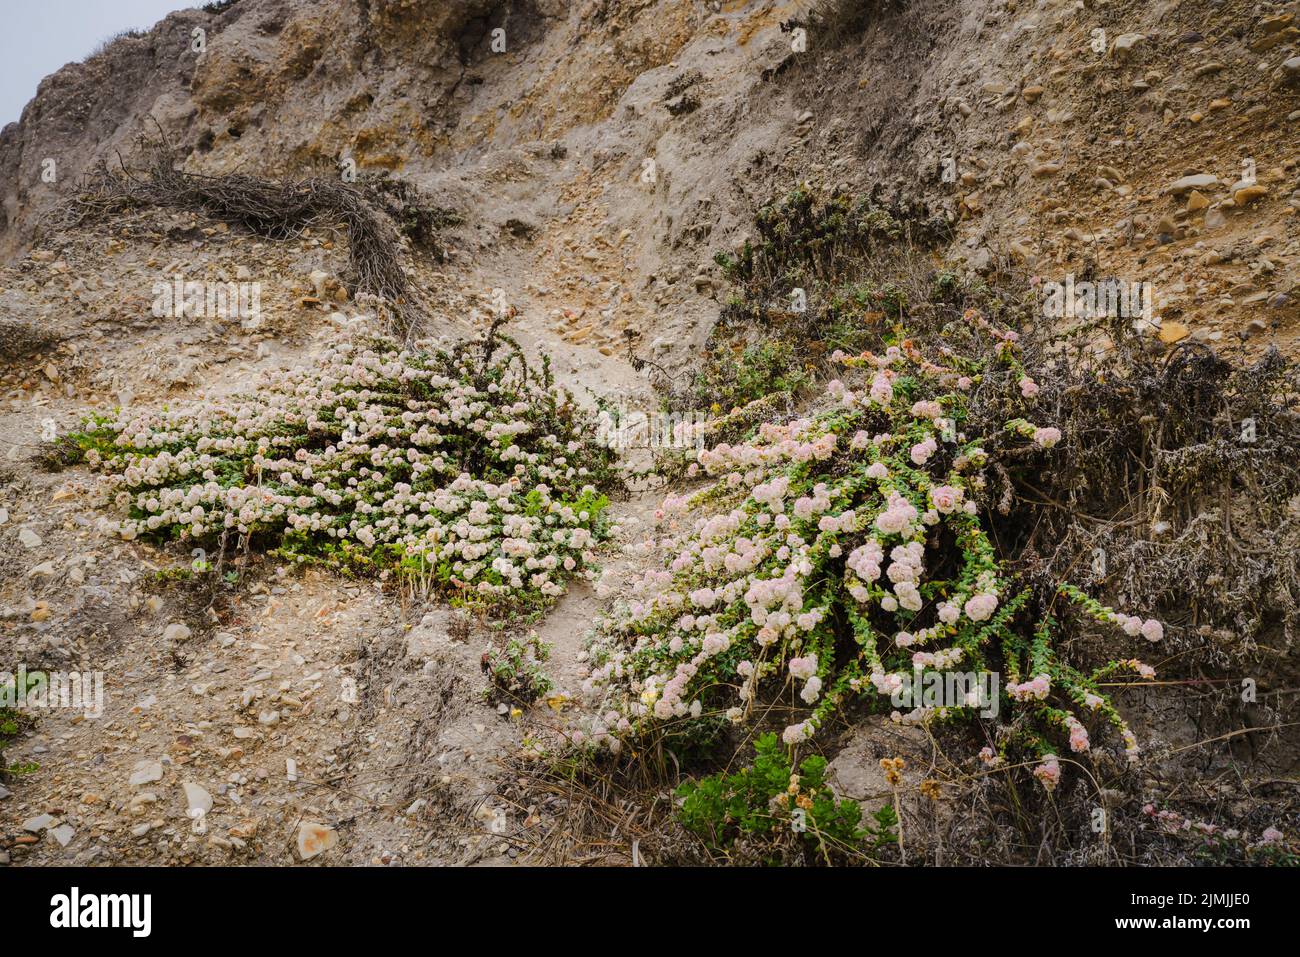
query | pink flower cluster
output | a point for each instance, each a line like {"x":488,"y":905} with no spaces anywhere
{"x":1047,"y":437}
{"x":1048,"y":772}
{"x":921,"y":451}
{"x":1133,"y":625}
{"x":1146,"y":671}
{"x":803,"y":668}
{"x":1078,"y":734}
{"x":898,"y":516}
{"x":981,"y":607}
{"x":1035,"y":689}
{"x":945,"y":498}
{"x":882,"y":390}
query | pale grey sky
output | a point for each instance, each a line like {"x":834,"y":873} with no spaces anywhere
{"x":42,"y":35}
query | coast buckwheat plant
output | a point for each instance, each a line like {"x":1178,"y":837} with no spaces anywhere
{"x":834,"y":556}
{"x":462,"y":467}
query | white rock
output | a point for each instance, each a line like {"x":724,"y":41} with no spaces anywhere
{"x":141,"y":800}
{"x":145,"y":772}
{"x":29,"y":538}
{"x":197,"y":800}
{"x":1197,"y":181}
{"x":38,"y":823}
{"x":64,"y":834}
{"x":176,"y":631}
{"x":314,"y":839}
{"x":1128,"y":42}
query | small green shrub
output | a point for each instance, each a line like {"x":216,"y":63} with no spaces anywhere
{"x":13,"y":723}
{"x":759,"y":371}
{"x":823,"y":275}
{"x":783,"y":810}
{"x":516,"y":669}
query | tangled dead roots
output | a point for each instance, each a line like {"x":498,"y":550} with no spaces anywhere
{"x":275,"y":209}
{"x":1178,"y":486}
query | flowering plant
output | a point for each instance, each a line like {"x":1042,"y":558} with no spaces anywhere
{"x":846,"y":551}
{"x":462,"y":467}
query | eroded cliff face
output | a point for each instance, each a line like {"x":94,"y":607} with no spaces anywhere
{"x":1064,"y":131}
{"x":597,"y":155}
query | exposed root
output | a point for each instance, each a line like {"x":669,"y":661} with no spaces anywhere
{"x":274,"y":209}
